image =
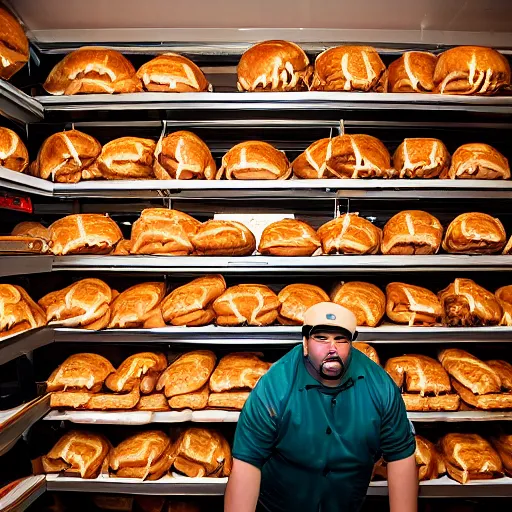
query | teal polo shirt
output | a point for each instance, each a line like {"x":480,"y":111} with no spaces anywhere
{"x":316,"y":445}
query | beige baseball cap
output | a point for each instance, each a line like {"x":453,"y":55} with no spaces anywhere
{"x":331,"y":314}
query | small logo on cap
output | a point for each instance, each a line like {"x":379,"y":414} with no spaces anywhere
{"x":330,"y":316}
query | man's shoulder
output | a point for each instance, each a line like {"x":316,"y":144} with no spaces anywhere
{"x":372,"y":372}
{"x":282,"y":373}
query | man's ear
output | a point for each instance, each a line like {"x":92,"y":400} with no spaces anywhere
{"x":305,"y":346}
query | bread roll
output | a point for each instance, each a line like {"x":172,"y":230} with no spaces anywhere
{"x":122,"y":248}
{"x":412,"y":72}
{"x":412,"y":232}
{"x":289,"y":237}
{"x":254,"y":160}
{"x":296,"y":299}
{"x":274,"y":66}
{"x":312,"y":163}
{"x":228,"y":400}
{"x":367,"y":350}
{"x":92,"y":69}
{"x":349,"y":68}
{"x":223,"y":238}
{"x":14,"y":50}
{"x":350,"y":234}
{"x":421,"y":158}
{"x":489,"y":401}
{"x":503,"y":445}
{"x":365,"y":300}
{"x":429,"y":462}
{"x":13,"y":153}
{"x":195,"y":400}
{"x":31,"y":229}
{"x":471,"y":70}
{"x":431,"y":403}
{"x":155,"y":402}
{"x":183,"y":155}
{"x":171,"y":72}
{"x":504,"y":297}
{"x":504,"y":372}
{"x":86,"y":400}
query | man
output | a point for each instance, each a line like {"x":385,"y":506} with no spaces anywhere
{"x":316,"y":423}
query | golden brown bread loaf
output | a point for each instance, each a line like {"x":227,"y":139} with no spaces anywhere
{"x":508,"y":247}
{"x":195,"y":400}
{"x":122,"y":248}
{"x":13,"y":153}
{"x":504,"y":372}
{"x":470,"y":457}
{"x":163,"y":231}
{"x":431,"y":403}
{"x":183,"y":155}
{"x":155,"y":402}
{"x":412,"y":305}
{"x":349,"y":68}
{"x":295,"y":299}
{"x":77,"y":453}
{"x":84,"y":233}
{"x":223,"y":238}
{"x":126,"y":158}
{"x":274,"y":66}
{"x":18,"y":312}
{"x":312,"y":163}
{"x":420,"y":158}
{"x":171,"y":72}
{"x":202,"y":452}
{"x":192,"y":303}
{"x":503,"y":446}
{"x":477,"y":161}
{"x":428,"y":460}
{"x":289,"y":237}
{"x":467,"y":304}
{"x":14,"y":50}
{"x":254,"y":160}
{"x":251,"y":304}
{"x":64,"y":156}
{"x":92,"y":69}
{"x":86,"y":400}
{"x":367,"y":350}
{"x":138,"y":306}
{"x":504,"y":297}
{"x":471,"y":70}
{"x":489,"y":401}
{"x":365,"y":300}
{"x":350,"y":234}
{"x":231,"y":400}
{"x":147,"y":455}
{"x":412,"y":72}
{"x":85,"y":303}
{"x":412,"y":232}
{"x":32,"y":229}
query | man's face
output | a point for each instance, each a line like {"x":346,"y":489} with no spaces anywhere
{"x":327,"y":349}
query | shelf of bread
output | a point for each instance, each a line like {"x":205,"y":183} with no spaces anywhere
{"x":20,"y":494}
{"x":17,"y":105}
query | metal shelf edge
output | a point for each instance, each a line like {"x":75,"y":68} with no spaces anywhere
{"x":19,"y":495}
{"x":24,"y":342}
{"x":15,"y":104}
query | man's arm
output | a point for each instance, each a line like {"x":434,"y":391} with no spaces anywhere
{"x":402,"y":485}
{"x":243,"y":488}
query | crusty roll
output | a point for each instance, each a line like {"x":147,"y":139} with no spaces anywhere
{"x":64,"y":156}
{"x":183,"y":155}
{"x":312,"y":163}
{"x":171,"y":72}
{"x":32,"y":229}
{"x":84,"y":233}
{"x":467,"y":304}
{"x":349,"y":68}
{"x":296,"y":299}
{"x":92,"y":69}
{"x":14,"y":51}
{"x":289,"y":237}
{"x":504,"y":297}
{"x":365,"y":300}
{"x":429,"y":462}
{"x":223,"y":238}
{"x":504,"y":371}
{"x":251,"y":304}
{"x":274,"y":66}
{"x":412,"y":72}
{"x":254,"y":160}
{"x":126,"y":158}
{"x":421,"y":158}
{"x":475,"y":233}
{"x":350,"y":234}
{"x":477,"y":161}
{"x":412,"y":305}
{"x":194,"y":400}
{"x":191,"y":304}
{"x":155,"y":402}
{"x":503,"y":445}
{"x":13,"y":153}
{"x":163,"y":231}
{"x":412,"y":232}
{"x":367,"y":350}
{"x":471,"y":70}
{"x":228,"y":400}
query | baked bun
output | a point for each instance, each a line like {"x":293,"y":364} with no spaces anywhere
{"x":429,"y":461}
{"x":475,"y":233}
{"x":365,"y":300}
{"x":64,"y":156}
{"x":251,"y":304}
{"x":171,"y":72}
{"x":350,"y":234}
{"x":412,"y":232}
{"x":412,"y":72}
{"x":289,"y":237}
{"x":254,"y":160}
{"x":223,"y":238}
{"x":183,"y":156}
{"x":471,"y":70}
{"x":14,"y":51}
{"x":349,"y":68}
{"x":478,"y":161}
{"x":13,"y":153}
{"x":32,"y":229}
{"x":504,"y":297}
{"x":92,"y":69}
{"x":421,"y":158}
{"x":274,"y":66}
{"x":367,"y":350}
{"x":296,"y":299}
{"x":312,"y":163}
